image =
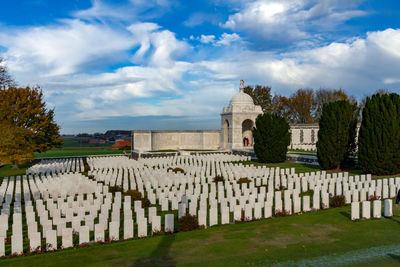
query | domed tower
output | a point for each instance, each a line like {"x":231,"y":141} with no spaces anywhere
{"x":237,"y":121}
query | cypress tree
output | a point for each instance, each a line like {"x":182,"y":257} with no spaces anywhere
{"x":336,"y":135}
{"x":271,"y":138}
{"x":379,"y":137}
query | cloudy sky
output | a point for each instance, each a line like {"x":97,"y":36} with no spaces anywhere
{"x":169,"y":64}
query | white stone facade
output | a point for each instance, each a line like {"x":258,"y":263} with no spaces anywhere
{"x":237,"y":122}
{"x":175,"y":140}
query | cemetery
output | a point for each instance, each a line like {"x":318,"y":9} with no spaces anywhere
{"x":67,"y":203}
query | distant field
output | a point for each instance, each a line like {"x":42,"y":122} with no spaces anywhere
{"x":68,"y":143}
{"x":73,"y":148}
{"x":77,"y":152}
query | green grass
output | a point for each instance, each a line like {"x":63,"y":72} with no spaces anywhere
{"x":322,"y":233}
{"x":70,"y":143}
{"x":7,"y":170}
{"x":77,"y":152}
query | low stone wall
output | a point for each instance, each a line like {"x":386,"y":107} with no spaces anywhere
{"x":175,"y":140}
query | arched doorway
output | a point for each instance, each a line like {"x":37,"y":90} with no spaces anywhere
{"x":226,"y":134}
{"x":247,"y":134}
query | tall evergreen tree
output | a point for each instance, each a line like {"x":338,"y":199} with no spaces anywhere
{"x":336,"y":135}
{"x":379,"y":137}
{"x":271,"y":138}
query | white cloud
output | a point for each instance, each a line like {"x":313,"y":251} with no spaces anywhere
{"x":205,"y":39}
{"x":61,"y":49}
{"x":227,"y":39}
{"x":360,"y":65}
{"x":276,"y":23}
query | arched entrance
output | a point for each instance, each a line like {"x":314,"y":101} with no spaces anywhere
{"x":226,"y":134}
{"x":247,"y":134}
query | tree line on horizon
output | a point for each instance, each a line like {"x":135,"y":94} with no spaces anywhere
{"x":304,"y":105}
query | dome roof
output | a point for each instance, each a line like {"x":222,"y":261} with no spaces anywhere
{"x":241,"y":98}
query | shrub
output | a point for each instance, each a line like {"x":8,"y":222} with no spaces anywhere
{"x":115,"y":188}
{"x":336,"y":135}
{"x":373,"y":197}
{"x":244,"y":180}
{"x":176,"y":170}
{"x":188,"y":223}
{"x":337,"y":201}
{"x":379,"y":137}
{"x":283,"y":213}
{"x":218,"y":178}
{"x":271,"y":138}
{"x":86,"y":167}
{"x":136,"y":195}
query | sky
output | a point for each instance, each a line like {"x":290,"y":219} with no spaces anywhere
{"x":169,"y":64}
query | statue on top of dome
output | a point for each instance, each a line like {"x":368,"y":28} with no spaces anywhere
{"x":241,"y":86}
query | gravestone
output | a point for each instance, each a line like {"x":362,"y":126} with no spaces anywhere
{"x":67,"y":238}
{"x":114,"y":230}
{"x":355,"y":210}
{"x":366,"y":209}
{"x":377,"y":208}
{"x":51,"y":240}
{"x":388,"y":208}
{"x":128,"y":229}
{"x":169,"y":223}
{"x":142,"y":227}
{"x":156,"y":224}
{"x":99,"y":232}
{"x":35,"y":242}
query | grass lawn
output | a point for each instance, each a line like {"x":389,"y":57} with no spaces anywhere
{"x":7,"y":170}
{"x":327,"y":233}
{"x":78,"y":152}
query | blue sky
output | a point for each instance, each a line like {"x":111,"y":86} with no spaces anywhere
{"x":168,"y":64}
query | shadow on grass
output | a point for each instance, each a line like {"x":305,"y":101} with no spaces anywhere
{"x":160,"y":255}
{"x":346,"y":214}
{"x":393,"y":256}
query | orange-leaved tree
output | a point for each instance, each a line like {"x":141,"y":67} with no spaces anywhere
{"x":31,"y":126}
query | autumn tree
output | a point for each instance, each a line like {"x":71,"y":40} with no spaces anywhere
{"x":15,"y":146}
{"x":30,"y":122}
{"x":324,"y":96}
{"x":261,"y":96}
{"x":281,"y":106}
{"x":5,"y":78}
{"x":302,"y":104}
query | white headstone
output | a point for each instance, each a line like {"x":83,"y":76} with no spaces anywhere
{"x":377,"y":209}
{"x":67,"y":238}
{"x":355,"y":210}
{"x":169,"y":223}
{"x":156,"y":224}
{"x":83,"y":234}
{"x":388,"y":208}
{"x":114,"y":230}
{"x":366,"y":209}
{"x":99,"y":232}
{"x":35,"y":242}
{"x":51,"y":240}
{"x":128,"y":229}
{"x":142,"y":227}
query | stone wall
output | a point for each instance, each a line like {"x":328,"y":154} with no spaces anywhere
{"x":175,"y":140}
{"x":304,"y":136}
